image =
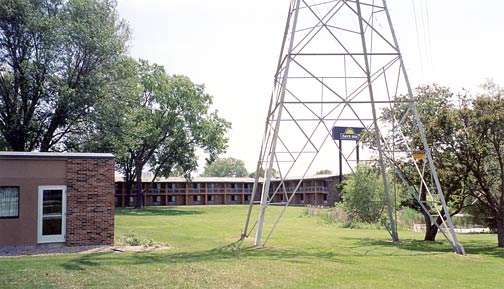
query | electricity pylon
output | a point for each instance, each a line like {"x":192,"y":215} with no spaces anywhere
{"x":340,"y":66}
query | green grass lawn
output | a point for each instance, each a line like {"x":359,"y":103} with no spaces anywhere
{"x":303,"y":253}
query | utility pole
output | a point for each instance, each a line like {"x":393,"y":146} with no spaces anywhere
{"x":340,"y":66}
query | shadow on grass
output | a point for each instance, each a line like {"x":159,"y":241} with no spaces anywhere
{"x":86,"y":260}
{"x":157,"y":211}
{"x":361,"y":247}
{"x":221,"y":254}
{"x":431,"y":248}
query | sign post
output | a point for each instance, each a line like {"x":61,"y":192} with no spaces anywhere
{"x":342,"y":133}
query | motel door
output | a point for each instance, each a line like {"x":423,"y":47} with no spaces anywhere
{"x":51,"y":214}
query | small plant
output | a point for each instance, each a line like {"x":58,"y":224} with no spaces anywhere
{"x":334,"y":215}
{"x":408,"y":217}
{"x":133,"y":240}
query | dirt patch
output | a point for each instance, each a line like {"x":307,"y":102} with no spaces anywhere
{"x":41,"y":250}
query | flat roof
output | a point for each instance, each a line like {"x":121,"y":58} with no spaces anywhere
{"x":222,"y":179}
{"x":53,"y":155}
{"x":193,"y":180}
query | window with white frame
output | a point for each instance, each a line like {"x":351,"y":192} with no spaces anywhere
{"x":9,"y":202}
{"x":210,"y":198}
{"x":234,"y":198}
{"x":197,"y":198}
{"x":172,"y":199}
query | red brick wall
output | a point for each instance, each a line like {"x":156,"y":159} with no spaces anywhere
{"x":90,"y":202}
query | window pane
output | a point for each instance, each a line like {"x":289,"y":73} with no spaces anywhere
{"x":53,"y":201}
{"x":9,"y":201}
{"x":51,"y":226}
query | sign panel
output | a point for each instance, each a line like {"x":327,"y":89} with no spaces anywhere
{"x":346,"y":133}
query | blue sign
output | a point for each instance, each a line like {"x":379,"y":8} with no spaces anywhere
{"x":346,"y":133}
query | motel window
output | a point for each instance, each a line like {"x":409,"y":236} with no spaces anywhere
{"x":210,"y":198}
{"x":157,"y":199}
{"x":9,"y":202}
{"x":301,"y":197}
{"x":197,"y":198}
{"x":173,"y":186}
{"x":234,"y":198}
{"x":325,"y":197}
{"x":211,"y":186}
{"x":172,"y":199}
{"x":247,"y":198}
{"x":132,"y":200}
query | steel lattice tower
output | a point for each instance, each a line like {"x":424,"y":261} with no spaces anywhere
{"x":340,"y":65}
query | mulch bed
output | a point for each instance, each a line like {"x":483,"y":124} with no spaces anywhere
{"x":42,"y":250}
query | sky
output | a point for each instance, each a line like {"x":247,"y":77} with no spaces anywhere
{"x":232,"y":47}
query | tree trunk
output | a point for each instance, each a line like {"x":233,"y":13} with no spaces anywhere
{"x":128,"y":192}
{"x":430,"y":233}
{"x":500,"y":231}
{"x":139,"y":203}
{"x":431,"y":230}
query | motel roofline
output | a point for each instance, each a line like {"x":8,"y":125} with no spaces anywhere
{"x":223,"y":179}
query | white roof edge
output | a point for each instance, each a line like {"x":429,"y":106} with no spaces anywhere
{"x":11,"y":154}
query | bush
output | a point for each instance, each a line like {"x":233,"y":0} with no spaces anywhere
{"x":133,"y":240}
{"x":334,"y":215}
{"x":407,"y":217}
{"x":338,"y":217}
{"x":363,"y":195}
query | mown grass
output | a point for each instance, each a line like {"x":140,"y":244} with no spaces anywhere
{"x":303,"y":253}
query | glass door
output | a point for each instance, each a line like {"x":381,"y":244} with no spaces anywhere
{"x":51,"y":214}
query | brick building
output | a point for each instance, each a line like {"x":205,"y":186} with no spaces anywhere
{"x":174,"y":191}
{"x":56,"y":198}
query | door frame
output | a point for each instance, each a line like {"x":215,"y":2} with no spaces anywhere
{"x":51,"y":238}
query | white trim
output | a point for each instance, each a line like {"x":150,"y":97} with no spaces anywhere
{"x":51,"y":238}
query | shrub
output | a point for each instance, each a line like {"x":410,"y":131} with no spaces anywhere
{"x":133,"y":240}
{"x":364,"y":196}
{"x":407,"y":217}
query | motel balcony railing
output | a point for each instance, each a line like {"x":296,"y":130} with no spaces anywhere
{"x":309,"y":189}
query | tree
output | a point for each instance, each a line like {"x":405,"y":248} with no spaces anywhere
{"x":262,"y":172}
{"x":438,"y":113}
{"x":159,"y":120}
{"x":324,"y":172}
{"x":225,"y":167}
{"x":481,"y":151}
{"x":55,"y":57}
{"x":363,"y":194}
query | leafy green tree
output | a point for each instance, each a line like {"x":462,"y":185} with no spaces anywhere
{"x":481,"y":150}
{"x":55,"y":58}
{"x":363,"y":195}
{"x":438,"y":112}
{"x":225,"y":167}
{"x":261,"y":173}
{"x":160,"y":121}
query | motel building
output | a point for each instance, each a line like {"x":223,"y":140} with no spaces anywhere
{"x":320,"y":190}
{"x":69,"y":198}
